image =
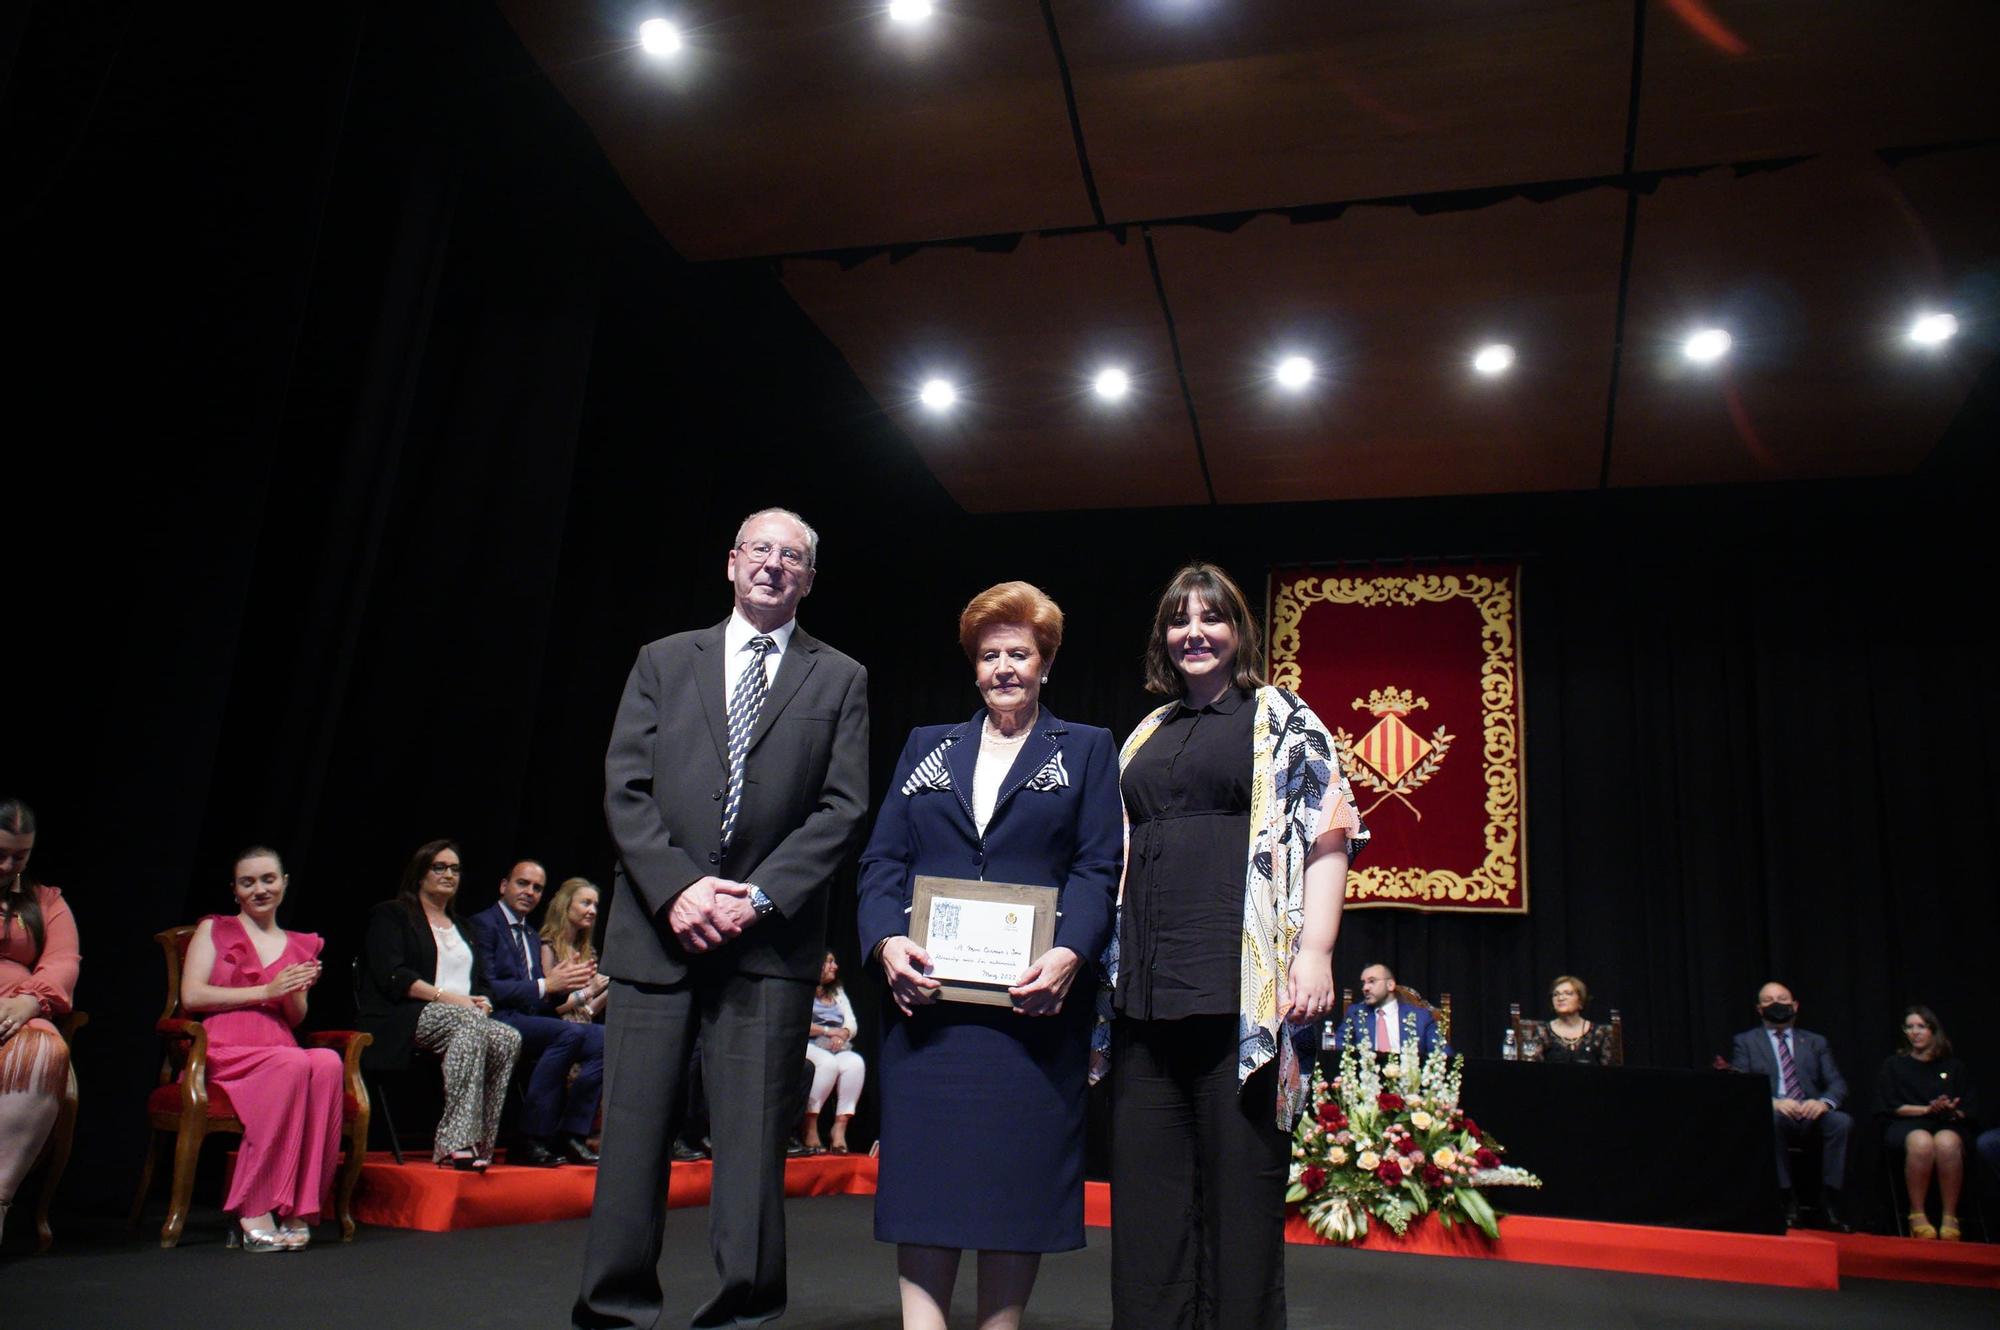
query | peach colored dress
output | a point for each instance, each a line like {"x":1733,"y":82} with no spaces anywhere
{"x":288,"y":1097}
{"x":35,"y":1059}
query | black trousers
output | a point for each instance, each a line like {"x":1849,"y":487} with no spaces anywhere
{"x":753,"y":1038}
{"x":1198,"y":1174}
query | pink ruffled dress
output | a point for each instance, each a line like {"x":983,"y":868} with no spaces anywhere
{"x":289,"y":1098}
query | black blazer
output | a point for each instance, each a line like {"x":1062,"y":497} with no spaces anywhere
{"x":396,"y":952}
{"x":805,"y":797}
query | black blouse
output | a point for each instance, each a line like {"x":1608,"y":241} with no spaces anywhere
{"x":1187,"y":793}
{"x":1905,"y":1080}
{"x":1592,"y":1048}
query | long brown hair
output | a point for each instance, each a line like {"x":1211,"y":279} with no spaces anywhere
{"x":410,"y":889}
{"x":1940,"y":1042}
{"x":20,"y":900}
{"x":1219,"y":593}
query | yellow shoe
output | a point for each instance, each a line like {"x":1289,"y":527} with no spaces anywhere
{"x":1920,"y":1226}
{"x":1948,"y":1229}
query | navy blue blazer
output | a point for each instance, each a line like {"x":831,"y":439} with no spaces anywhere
{"x":515,"y":984}
{"x":1058,"y":822}
{"x":1812,"y":1059}
{"x":1357,"y":1025}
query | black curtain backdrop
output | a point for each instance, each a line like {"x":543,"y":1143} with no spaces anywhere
{"x":363,"y":430}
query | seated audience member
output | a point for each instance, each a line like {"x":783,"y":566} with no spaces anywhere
{"x":1988,"y":1149}
{"x":1807,"y":1091}
{"x":38,"y":968}
{"x":422,"y":986}
{"x":1380,"y":1022}
{"x":567,"y":932}
{"x":248,"y":979}
{"x":558,"y":1111}
{"x":829,"y":1048}
{"x":1568,"y":1036}
{"x":1927,"y":1101}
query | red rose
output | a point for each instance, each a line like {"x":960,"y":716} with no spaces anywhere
{"x":1433,"y":1176}
{"x":1407,"y":1146}
{"x":1472,"y":1130}
{"x":1390,"y":1172}
{"x":1331,"y":1117}
{"x":1486,"y":1159}
{"x":1389,"y":1101}
{"x":1312,"y":1177}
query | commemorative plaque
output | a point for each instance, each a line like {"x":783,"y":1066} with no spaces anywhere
{"x":981,"y":936}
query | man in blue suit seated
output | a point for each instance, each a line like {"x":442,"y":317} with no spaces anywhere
{"x":558,"y":1113}
{"x":1807,"y":1091}
{"x":1382,"y":1023}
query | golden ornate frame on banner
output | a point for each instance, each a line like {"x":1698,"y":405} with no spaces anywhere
{"x":1504,"y":871}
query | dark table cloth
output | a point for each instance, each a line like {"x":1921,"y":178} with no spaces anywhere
{"x":1632,"y":1145}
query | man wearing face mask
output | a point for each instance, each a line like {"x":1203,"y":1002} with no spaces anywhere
{"x":1807,"y":1091}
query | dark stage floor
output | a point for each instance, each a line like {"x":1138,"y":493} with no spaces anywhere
{"x":842,"y":1280}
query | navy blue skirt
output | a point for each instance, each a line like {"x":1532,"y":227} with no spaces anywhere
{"x":982,"y":1126}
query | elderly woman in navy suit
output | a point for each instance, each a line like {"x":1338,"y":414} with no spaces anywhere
{"x":983,"y":1106}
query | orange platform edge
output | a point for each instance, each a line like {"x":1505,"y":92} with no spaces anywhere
{"x":419,"y":1195}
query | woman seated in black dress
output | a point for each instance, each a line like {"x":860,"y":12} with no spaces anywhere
{"x":1570,"y":1037}
{"x":1924,"y":1096}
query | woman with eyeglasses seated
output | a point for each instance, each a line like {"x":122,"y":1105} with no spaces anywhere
{"x":248,"y":979}
{"x":422,"y":987}
{"x":1928,"y":1104}
{"x":38,"y":968}
{"x":567,"y":927}
{"x":1570,"y":1037}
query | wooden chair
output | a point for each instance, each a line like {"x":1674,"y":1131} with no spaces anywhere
{"x":54,"y":1157}
{"x":1524,"y":1027}
{"x":189,"y":1111}
{"x":1410,"y":997}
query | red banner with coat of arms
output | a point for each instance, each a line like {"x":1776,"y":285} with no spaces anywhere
{"x":1417,"y":675}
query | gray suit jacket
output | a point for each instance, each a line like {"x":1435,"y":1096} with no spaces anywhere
{"x":1819,"y":1078}
{"x":805,"y":798}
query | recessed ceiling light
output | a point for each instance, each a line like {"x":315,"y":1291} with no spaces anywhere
{"x":1933,"y":329}
{"x":1112,"y":383}
{"x":909,"y":11}
{"x":1706,"y":346}
{"x":938,"y":394}
{"x":1294,"y":373}
{"x":1494,"y":359}
{"x":659,"y":37}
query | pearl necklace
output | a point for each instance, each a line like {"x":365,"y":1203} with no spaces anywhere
{"x":991,"y":738}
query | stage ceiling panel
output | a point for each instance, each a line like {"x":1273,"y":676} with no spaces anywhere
{"x":1734,"y":80}
{"x":1816,"y":270}
{"x":1029,"y":432}
{"x":1202,"y":107}
{"x":1392,"y":305}
{"x":790,"y":126}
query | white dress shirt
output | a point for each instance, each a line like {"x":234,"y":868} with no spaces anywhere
{"x":736,"y":637}
{"x":454,"y":972}
{"x":1394,"y":1011}
{"x":517,"y":941}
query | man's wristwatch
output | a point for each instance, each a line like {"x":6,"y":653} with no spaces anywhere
{"x":761,"y":903}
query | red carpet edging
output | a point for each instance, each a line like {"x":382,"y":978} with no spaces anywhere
{"x":420,"y":1195}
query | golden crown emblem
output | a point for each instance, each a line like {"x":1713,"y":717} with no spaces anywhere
{"x":1391,"y":701}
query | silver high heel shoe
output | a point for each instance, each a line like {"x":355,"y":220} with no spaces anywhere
{"x":295,"y":1238}
{"x":269,"y":1240}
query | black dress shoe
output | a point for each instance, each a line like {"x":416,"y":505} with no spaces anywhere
{"x":687,"y":1154}
{"x":1829,"y":1210}
{"x":533,"y":1154}
{"x":578,"y":1151}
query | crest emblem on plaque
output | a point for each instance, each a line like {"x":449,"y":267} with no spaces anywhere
{"x":1392,"y":759}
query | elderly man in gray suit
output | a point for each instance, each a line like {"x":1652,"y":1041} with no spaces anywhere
{"x":1807,"y":1091}
{"x":736,"y":785}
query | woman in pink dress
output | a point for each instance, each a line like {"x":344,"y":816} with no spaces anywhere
{"x":249,"y":978}
{"x":38,"y":965}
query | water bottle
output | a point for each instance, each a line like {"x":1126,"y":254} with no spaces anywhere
{"x":1507,"y":1049}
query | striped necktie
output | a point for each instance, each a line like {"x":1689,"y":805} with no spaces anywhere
{"x":745,"y":701}
{"x":1788,"y":1071}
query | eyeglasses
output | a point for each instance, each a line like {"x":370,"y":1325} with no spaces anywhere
{"x":760,"y":550}
{"x":445,"y":870}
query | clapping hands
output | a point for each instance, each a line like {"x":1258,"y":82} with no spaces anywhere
{"x":293,"y":979}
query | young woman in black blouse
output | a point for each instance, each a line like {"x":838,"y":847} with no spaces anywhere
{"x":1924,"y":1095}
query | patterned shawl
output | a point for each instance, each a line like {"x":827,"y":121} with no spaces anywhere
{"x":1297,"y":792}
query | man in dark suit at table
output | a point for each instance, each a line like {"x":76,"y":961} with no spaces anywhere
{"x":736,"y":785}
{"x":1380,"y":1021}
{"x":558,"y":1113}
{"x":1807,"y":1091}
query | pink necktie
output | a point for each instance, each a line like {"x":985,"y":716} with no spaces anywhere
{"x":1381,"y":1030}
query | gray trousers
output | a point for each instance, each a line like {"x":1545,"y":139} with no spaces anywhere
{"x":753,"y":1028}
